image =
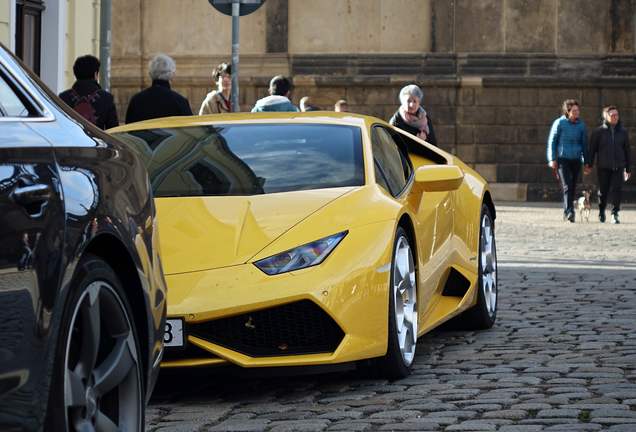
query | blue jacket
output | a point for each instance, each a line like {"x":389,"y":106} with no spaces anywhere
{"x":567,"y":140}
{"x":274,"y":103}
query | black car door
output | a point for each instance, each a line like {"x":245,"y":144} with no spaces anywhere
{"x":31,"y":234}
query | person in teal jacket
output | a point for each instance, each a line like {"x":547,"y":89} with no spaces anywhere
{"x":567,"y":151}
{"x":280,"y":89}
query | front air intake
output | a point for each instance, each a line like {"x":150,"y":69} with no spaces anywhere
{"x":295,"y":328}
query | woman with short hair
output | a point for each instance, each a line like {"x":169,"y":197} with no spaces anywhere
{"x":566,"y":151}
{"x":411,"y":116}
{"x":218,"y":101}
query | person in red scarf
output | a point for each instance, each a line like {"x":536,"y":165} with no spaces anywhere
{"x":411,"y":116}
{"x":218,"y":101}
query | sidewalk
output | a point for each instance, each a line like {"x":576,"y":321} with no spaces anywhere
{"x":535,"y":234}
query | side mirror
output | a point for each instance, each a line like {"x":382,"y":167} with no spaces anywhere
{"x":439,"y":178}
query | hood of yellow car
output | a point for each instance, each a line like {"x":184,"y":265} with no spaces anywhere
{"x":202,"y":233}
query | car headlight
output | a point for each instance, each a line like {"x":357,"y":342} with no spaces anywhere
{"x":304,"y":256}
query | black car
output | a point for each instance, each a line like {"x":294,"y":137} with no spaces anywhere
{"x":82,"y":294}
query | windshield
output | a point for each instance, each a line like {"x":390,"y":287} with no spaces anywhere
{"x":249,"y":159}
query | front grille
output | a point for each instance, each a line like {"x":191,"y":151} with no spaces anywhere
{"x":291,"y":329}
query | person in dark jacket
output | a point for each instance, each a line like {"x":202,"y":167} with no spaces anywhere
{"x":158,"y":100}
{"x":610,"y":142}
{"x":87,"y":97}
{"x":411,"y":116}
{"x":567,"y":150}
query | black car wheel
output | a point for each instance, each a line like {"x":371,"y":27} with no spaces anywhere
{"x":97,"y":382}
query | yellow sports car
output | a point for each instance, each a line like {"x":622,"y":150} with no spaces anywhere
{"x":313,"y":239}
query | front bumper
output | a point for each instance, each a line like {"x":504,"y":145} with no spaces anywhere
{"x":332,"y":313}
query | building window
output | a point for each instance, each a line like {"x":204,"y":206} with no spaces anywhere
{"x":28,"y":36}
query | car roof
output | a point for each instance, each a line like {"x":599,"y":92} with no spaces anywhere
{"x":321,"y":117}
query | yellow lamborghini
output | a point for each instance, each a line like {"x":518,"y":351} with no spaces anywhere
{"x":316,"y":238}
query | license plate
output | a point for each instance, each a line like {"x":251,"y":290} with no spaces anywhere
{"x":173,"y":336}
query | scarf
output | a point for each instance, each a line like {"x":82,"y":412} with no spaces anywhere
{"x":224,"y":105}
{"x":418,"y":121}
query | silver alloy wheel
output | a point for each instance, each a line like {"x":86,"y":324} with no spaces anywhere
{"x":488,"y":256}
{"x":102,"y":381}
{"x":405,"y":300}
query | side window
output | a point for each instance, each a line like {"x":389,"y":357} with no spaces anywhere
{"x":391,"y":167}
{"x":402,"y":148}
{"x":10,"y":103}
{"x":379,"y":176}
{"x":428,"y":152}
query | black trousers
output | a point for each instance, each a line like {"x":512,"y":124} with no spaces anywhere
{"x":568,"y":174}
{"x":610,"y":182}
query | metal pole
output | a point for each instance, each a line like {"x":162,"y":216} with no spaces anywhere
{"x":104,"y":43}
{"x":236,"y":10}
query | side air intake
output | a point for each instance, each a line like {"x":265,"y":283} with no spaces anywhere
{"x":456,"y":285}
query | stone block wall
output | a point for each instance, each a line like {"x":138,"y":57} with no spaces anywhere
{"x":503,"y":130}
{"x":494,"y":72}
{"x":497,"y":126}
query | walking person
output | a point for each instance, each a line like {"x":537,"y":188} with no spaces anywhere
{"x":218,"y":101}
{"x":280,"y":89}
{"x":87,"y":97}
{"x":567,"y":150}
{"x":158,"y":100}
{"x":610,"y":143}
{"x":411,"y":117}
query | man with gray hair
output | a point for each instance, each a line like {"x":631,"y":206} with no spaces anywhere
{"x":158,"y":100}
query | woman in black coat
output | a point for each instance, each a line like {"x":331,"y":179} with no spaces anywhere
{"x":411,"y":117}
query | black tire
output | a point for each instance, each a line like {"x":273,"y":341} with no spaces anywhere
{"x":479,"y":317}
{"x":393,"y":365}
{"x":98,"y":368}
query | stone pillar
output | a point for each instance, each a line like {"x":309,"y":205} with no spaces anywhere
{"x":277,"y":26}
{"x":442,"y":26}
{"x":622,"y":22}
{"x":127,"y":52}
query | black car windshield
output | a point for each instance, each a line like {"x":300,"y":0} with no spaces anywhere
{"x":249,"y":159}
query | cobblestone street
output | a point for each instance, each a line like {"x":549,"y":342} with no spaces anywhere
{"x":561,"y":357}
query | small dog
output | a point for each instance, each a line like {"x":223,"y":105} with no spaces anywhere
{"x":584,"y":206}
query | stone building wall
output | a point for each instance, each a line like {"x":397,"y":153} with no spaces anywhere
{"x":494,"y":72}
{"x":6,"y":33}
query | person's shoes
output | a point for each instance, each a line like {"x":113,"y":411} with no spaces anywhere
{"x":601,"y":217}
{"x":570,"y":216}
{"x":615,"y":219}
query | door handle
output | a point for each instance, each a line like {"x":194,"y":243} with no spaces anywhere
{"x":33,"y":198}
{"x":31,"y":194}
